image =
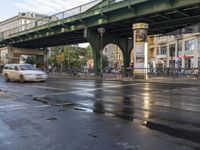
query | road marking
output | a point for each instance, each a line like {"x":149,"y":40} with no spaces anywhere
{"x":11,"y":106}
{"x":41,"y":106}
{"x":50,"y":88}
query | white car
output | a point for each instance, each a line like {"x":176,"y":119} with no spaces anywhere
{"x":23,"y":72}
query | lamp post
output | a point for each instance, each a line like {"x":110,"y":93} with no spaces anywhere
{"x":101,"y":32}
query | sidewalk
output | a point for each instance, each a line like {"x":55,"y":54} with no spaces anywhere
{"x":116,"y":77}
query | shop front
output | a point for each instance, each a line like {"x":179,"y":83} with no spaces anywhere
{"x":188,"y":61}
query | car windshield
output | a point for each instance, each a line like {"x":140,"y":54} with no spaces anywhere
{"x":27,"y":67}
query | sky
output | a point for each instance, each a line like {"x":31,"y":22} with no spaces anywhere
{"x":10,"y":8}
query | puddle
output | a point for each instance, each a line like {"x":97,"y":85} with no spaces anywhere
{"x":83,"y":109}
{"x":176,"y":132}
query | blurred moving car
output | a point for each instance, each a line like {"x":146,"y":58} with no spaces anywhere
{"x":23,"y":72}
{"x":1,"y":68}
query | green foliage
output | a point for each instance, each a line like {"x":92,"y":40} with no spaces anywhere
{"x":89,"y":52}
{"x":75,"y":56}
{"x":104,"y":61}
{"x":29,"y":60}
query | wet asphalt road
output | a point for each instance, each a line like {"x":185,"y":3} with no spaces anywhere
{"x":70,"y":115}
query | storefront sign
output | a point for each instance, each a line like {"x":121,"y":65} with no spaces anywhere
{"x":186,"y":57}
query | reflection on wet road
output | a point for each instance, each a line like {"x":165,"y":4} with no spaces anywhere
{"x":173,"y":109}
{"x":169,"y":108}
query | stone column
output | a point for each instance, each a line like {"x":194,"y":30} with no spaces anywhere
{"x":46,"y":59}
{"x":94,"y":39}
{"x":140,"y":50}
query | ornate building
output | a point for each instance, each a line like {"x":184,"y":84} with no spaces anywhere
{"x":117,"y":57}
{"x":23,"y":20}
{"x":181,"y":51}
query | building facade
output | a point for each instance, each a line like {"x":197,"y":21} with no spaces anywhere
{"x":19,"y":20}
{"x":114,"y":55}
{"x":108,"y":52}
{"x":180,"y":51}
{"x":117,"y":57}
{"x":9,"y":54}
{"x":13,"y":54}
{"x":151,"y":51}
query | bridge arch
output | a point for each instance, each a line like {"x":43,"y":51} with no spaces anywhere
{"x":124,"y":44}
{"x":114,"y":55}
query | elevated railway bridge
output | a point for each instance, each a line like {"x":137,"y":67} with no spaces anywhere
{"x":105,"y":21}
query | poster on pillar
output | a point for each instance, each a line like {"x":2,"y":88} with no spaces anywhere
{"x":140,"y":48}
{"x":141,"y":36}
{"x":140,"y":56}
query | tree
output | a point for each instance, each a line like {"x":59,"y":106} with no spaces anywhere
{"x":74,"y":56}
{"x":29,"y":60}
{"x":104,"y":61}
{"x":89,"y":52}
{"x":53,"y":57}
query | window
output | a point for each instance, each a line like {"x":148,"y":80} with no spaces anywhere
{"x":163,"y":50}
{"x":188,"y":63}
{"x":189,"y":45}
{"x":5,"y":67}
{"x":16,"y":68}
{"x":26,"y":67}
{"x":179,"y":46}
{"x":11,"y":67}
{"x":105,"y":50}
{"x":157,"y":51}
{"x":172,"y":50}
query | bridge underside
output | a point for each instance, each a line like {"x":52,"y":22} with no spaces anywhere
{"x":160,"y":23}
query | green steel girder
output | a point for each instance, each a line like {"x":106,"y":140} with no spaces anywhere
{"x":126,"y":45}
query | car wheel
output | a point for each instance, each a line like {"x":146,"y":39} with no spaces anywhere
{"x":21,"y":78}
{"x":7,"y":78}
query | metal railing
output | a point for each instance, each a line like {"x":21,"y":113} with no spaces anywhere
{"x":128,"y":72}
{"x":59,"y":16}
{"x":173,"y":73}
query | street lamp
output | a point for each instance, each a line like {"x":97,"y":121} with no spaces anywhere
{"x":101,"y":32}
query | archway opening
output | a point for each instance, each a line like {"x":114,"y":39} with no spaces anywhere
{"x":112,"y":58}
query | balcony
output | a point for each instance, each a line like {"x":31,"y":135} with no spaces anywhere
{"x":162,"y":40}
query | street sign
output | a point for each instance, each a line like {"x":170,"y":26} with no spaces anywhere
{"x":61,"y":57}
